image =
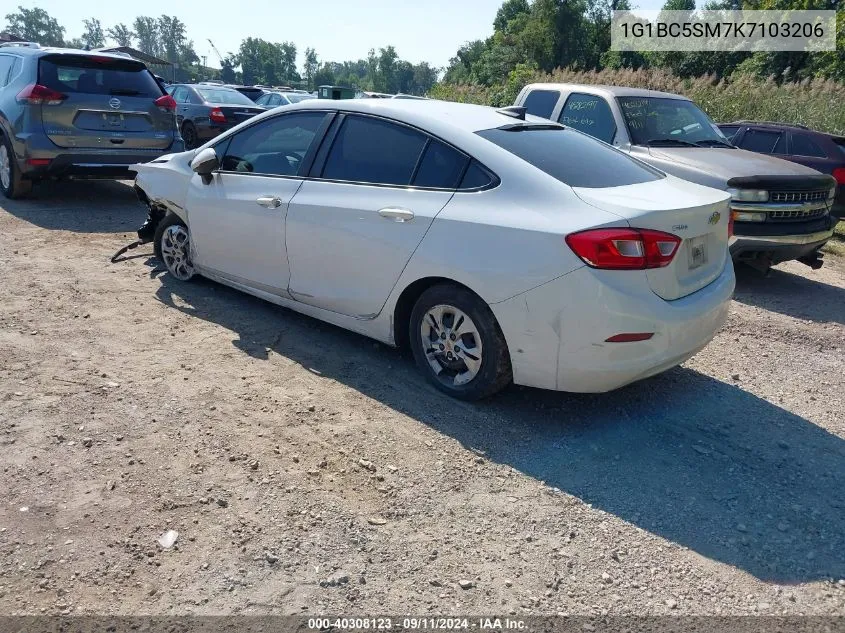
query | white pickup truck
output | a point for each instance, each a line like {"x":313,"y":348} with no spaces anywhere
{"x":781,"y":210}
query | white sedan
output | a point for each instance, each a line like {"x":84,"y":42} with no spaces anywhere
{"x":498,"y":247}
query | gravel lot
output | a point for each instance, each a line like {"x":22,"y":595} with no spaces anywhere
{"x":309,"y":470}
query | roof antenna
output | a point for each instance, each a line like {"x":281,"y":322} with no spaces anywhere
{"x":517,"y":112}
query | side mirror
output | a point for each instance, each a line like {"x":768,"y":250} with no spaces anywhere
{"x":205,"y":163}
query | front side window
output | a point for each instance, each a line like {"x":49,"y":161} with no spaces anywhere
{"x":666,"y":121}
{"x":541,"y":102}
{"x":371,"y":150}
{"x":275,"y":146}
{"x":589,"y":114}
{"x":763,"y":141}
{"x":572,"y":158}
{"x":729,"y":131}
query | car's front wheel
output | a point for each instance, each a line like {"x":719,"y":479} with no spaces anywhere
{"x":12,"y":183}
{"x":458,"y":344}
{"x":172,"y":245}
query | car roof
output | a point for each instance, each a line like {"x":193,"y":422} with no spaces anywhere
{"x":776,"y":125}
{"x":438,"y":117}
{"x":58,"y":50}
{"x":607,"y":91}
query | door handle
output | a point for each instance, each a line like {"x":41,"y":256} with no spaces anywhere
{"x":396,"y":214}
{"x":269,"y":202}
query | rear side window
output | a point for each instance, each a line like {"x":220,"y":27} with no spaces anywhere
{"x":6,"y":63}
{"x":541,"y":102}
{"x":763,"y":141}
{"x":275,"y":146}
{"x":589,"y":114}
{"x":180,"y":95}
{"x":803,"y":145}
{"x":441,"y":166}
{"x":224,"y":96}
{"x":97,"y":75}
{"x":572,"y":158}
{"x":476,"y":177}
{"x":374,"y":151}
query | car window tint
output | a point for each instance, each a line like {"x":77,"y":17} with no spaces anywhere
{"x":180,"y":94}
{"x":441,"y":166}
{"x":762,"y":141}
{"x":541,"y":102}
{"x":275,"y":146}
{"x":263,"y":100}
{"x":729,"y":130}
{"x":97,"y":75}
{"x":803,"y":145}
{"x":589,"y":114}
{"x":571,"y":157}
{"x":6,"y":63}
{"x":476,"y":177}
{"x":375,"y":151}
{"x":224,"y":96}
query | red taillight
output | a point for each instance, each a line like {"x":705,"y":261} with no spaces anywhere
{"x":217,"y":115}
{"x":839,"y":174}
{"x":166,"y":103}
{"x":36,"y":94}
{"x":629,"y":337}
{"x":38,"y":162}
{"x":624,"y":249}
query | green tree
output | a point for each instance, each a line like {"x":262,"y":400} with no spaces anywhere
{"x":387,"y":79}
{"x":310,"y":67}
{"x":146,"y":30}
{"x":93,"y":36}
{"x":227,"y":68}
{"x":508,"y":11}
{"x":121,"y":34}
{"x":35,"y":25}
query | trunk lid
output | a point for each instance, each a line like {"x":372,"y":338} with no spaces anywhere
{"x":698,"y":215}
{"x":109,"y":104}
{"x":235,"y":106}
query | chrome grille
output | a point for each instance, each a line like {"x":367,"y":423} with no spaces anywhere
{"x":798,"y":196}
{"x":797,"y":214}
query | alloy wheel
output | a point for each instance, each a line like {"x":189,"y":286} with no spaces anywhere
{"x":176,"y":252}
{"x":5,"y":168}
{"x":451,"y":344}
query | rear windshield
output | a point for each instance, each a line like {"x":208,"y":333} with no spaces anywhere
{"x":573,"y":158}
{"x":221,"y":95}
{"x":97,"y":75}
{"x":251,"y":93}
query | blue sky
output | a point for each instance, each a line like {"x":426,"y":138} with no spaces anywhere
{"x":425,"y":30}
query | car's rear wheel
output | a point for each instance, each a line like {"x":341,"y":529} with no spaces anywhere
{"x":12,"y":183}
{"x":458,"y":344}
{"x":189,"y":135}
{"x":172,"y":246}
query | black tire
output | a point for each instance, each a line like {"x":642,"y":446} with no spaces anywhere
{"x":495,"y":371}
{"x":18,"y":186}
{"x":167,"y":222}
{"x":189,"y":135}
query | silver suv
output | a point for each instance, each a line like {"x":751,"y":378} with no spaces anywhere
{"x":780,"y":210}
{"x":76,"y":113}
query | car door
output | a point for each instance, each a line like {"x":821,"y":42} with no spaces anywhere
{"x":237,"y":222}
{"x":375,"y":189}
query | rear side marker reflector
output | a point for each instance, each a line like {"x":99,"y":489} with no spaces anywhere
{"x":624,"y":249}
{"x":630,"y":337}
{"x":38,"y":162}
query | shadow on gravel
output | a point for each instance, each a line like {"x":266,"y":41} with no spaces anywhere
{"x":80,"y":206}
{"x":684,"y":456}
{"x":791,"y":294}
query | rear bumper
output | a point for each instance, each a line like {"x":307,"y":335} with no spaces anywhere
{"x":556,"y":333}
{"x":89,"y":163}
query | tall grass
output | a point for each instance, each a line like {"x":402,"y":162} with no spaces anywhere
{"x":816,"y":103}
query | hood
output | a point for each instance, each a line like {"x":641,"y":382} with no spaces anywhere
{"x":722,"y":162}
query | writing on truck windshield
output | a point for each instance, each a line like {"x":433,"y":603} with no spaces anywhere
{"x":659,"y":120}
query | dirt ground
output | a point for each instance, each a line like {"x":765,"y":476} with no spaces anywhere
{"x":309,"y":470}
